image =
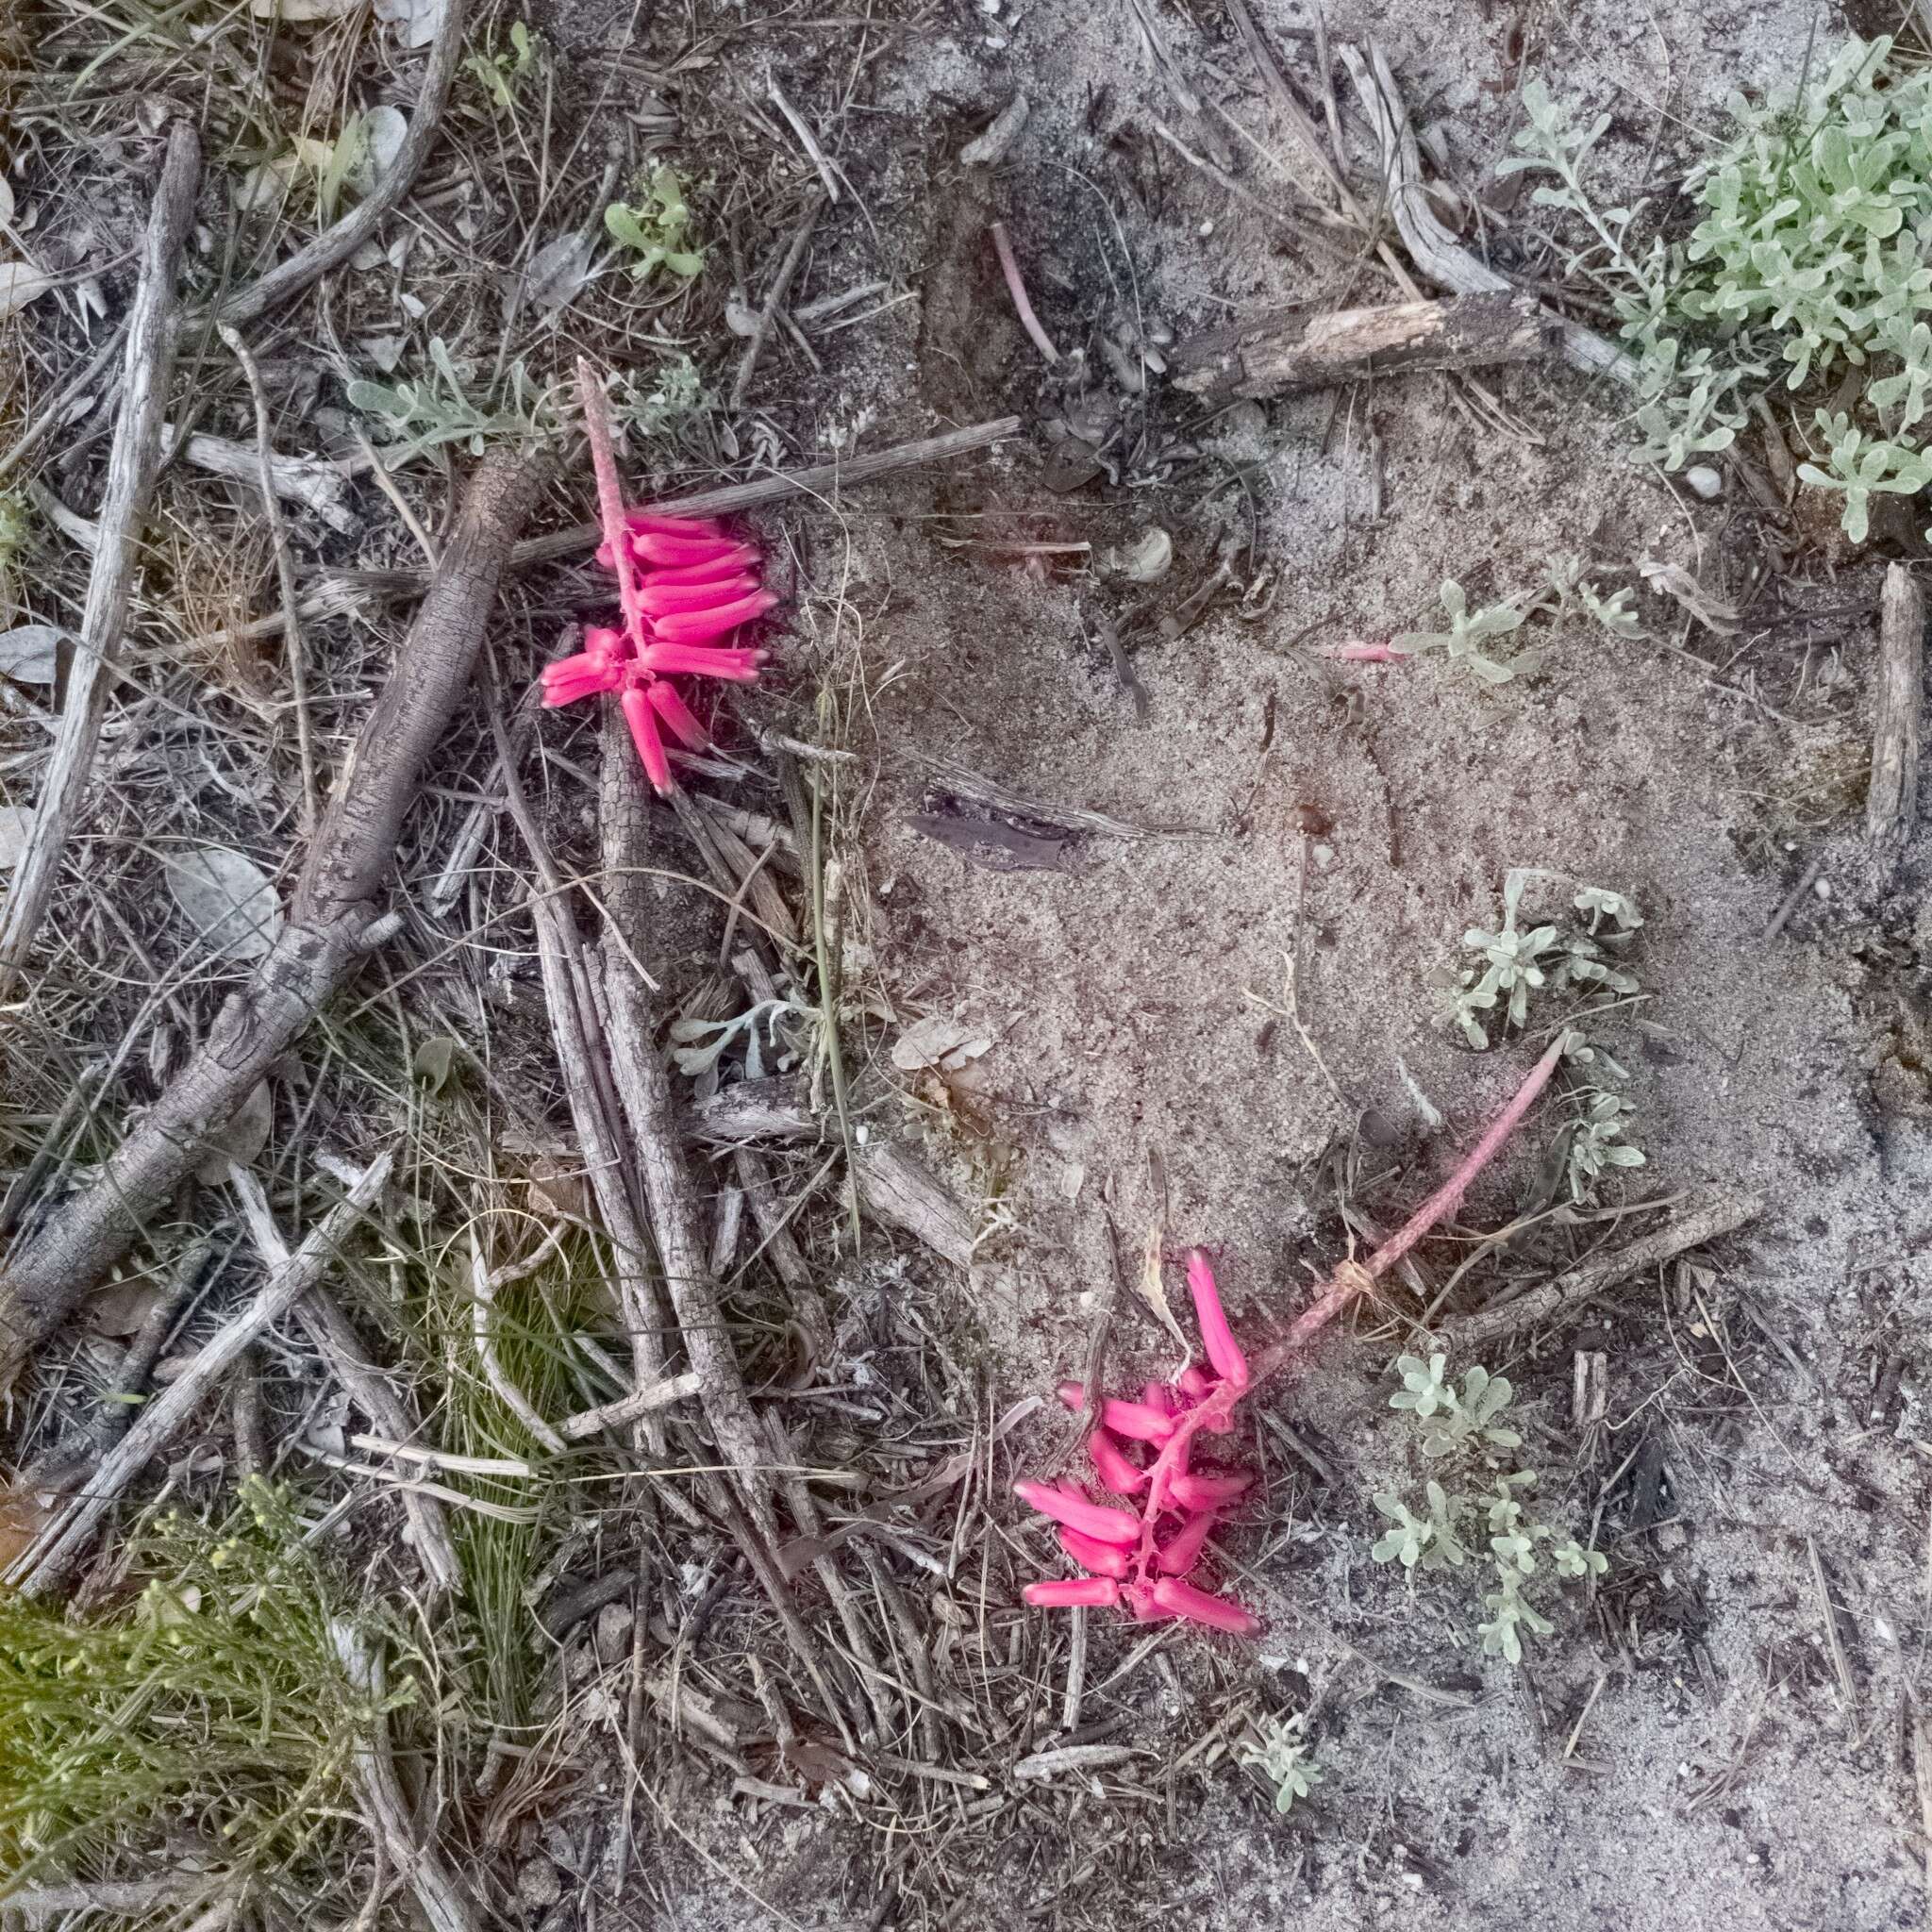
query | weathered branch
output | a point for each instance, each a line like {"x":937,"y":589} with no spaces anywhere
{"x":334,"y":905}
{"x":1723,"y":1212}
{"x":340,"y":241}
{"x":54,"y":1553}
{"x":1891,"y":802}
{"x":124,"y":508}
{"x":1286,"y":349}
{"x":1436,"y":252}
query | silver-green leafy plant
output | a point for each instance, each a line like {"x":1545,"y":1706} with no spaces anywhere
{"x":1459,"y":1427}
{"x":1277,"y":1749}
{"x":1452,"y":1420}
{"x":1810,"y":258}
{"x":1468,"y":631}
{"x":1513,"y":963}
{"x":431,"y":412}
{"x":656,"y":229}
{"x":1596,"y":1143}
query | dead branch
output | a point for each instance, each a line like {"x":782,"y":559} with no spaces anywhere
{"x":316,"y":484}
{"x":334,"y":906}
{"x":294,"y":648}
{"x":131,"y":470}
{"x":1723,"y":1212}
{"x":335,"y":1340}
{"x":822,"y":480}
{"x":54,"y":1551}
{"x":1891,"y":802}
{"x":1437,"y":253}
{"x":340,"y":241}
{"x":677,"y":1222}
{"x":445,"y":1905}
{"x":1285,"y":350}
{"x":774,"y":296}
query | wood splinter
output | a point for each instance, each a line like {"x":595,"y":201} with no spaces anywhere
{"x":1892,"y":798}
{"x":1282,"y":350}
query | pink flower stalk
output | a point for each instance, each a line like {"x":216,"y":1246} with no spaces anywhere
{"x":1356,"y":651}
{"x":1141,"y":1561}
{"x":682,"y":584}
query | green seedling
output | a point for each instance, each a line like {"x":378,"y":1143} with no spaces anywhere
{"x":656,"y":231}
{"x":501,"y":73}
{"x":429,"y":412}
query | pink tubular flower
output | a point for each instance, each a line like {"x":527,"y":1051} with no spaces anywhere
{"x":1065,"y":1591}
{"x":1146,"y":1569}
{"x":682,"y":584}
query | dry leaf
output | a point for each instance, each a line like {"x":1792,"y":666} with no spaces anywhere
{"x":300,"y":12}
{"x":936,"y":1041}
{"x":383,"y":130}
{"x":228,"y":899}
{"x":1153,"y":1287}
{"x":30,"y":653}
{"x":23,"y":1516}
{"x":21,"y":282}
{"x":16,"y":828}
{"x":119,"y":1310}
{"x":557,"y":271}
{"x":418,"y":19}
{"x":241,"y":1141}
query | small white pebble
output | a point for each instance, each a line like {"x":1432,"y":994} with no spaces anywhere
{"x":1707,"y":482}
{"x":1206,"y":229}
{"x":1414,"y":1880}
{"x":1822,"y":888}
{"x":1323,"y":856}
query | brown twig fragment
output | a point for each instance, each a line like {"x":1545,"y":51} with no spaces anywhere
{"x":1892,"y":799}
{"x":124,"y":508}
{"x":775,"y":300}
{"x":334,"y":907}
{"x":293,"y":645}
{"x":1016,"y":287}
{"x":1720,"y":1212}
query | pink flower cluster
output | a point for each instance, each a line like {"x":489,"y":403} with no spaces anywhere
{"x":683,"y":584}
{"x":1144,"y":1556}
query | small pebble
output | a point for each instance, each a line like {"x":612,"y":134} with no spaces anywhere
{"x":1707,"y":482}
{"x":1822,"y":888}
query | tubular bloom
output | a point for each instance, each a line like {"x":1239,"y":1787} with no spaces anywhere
{"x":682,"y":586}
{"x":1142,"y":1558}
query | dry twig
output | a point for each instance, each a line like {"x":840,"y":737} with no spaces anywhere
{"x":124,"y":506}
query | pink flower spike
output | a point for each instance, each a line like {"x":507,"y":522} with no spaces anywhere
{"x":643,"y":721}
{"x":1209,"y":1491}
{"x":1193,"y":1383}
{"x":1073,"y":1394}
{"x":1180,"y":1599}
{"x":660,"y":599}
{"x":697,"y":660}
{"x":1136,"y":1420}
{"x":1182,"y":1550}
{"x":1090,"y":1518}
{"x":1154,"y":1395}
{"x":727,"y":564}
{"x":677,"y":553}
{"x":1070,"y":1592}
{"x":1094,"y":1557}
{"x":1217,"y":1337}
{"x":1139,"y":1598}
{"x":701,"y":627}
{"x":677,"y":714}
{"x":1115,"y":1472}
